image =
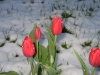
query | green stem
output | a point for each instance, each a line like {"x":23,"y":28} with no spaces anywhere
{"x":93,"y":69}
{"x":55,"y":39}
{"x":31,"y":65}
{"x":37,"y":49}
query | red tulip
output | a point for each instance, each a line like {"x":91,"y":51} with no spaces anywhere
{"x":56,"y":26}
{"x":28,"y":47}
{"x":94,"y":57}
{"x":37,"y":33}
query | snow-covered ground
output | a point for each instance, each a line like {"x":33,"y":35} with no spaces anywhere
{"x":81,"y":19}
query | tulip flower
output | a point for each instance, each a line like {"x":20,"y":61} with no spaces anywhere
{"x":28,"y":47}
{"x":56,"y":26}
{"x":37,"y":33}
{"x":37,"y":36}
{"x":94,"y":57}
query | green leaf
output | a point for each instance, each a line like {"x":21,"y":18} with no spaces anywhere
{"x":51,"y":48}
{"x":44,"y":54}
{"x":51,"y":70}
{"x":50,"y":33}
{"x":31,"y":35}
{"x":36,"y":69}
{"x":59,"y":72}
{"x":44,"y":72}
{"x":84,"y":68}
{"x":40,"y":54}
{"x":9,"y":73}
{"x":59,"y":64}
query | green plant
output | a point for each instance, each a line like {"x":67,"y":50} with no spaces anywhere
{"x":8,"y":11}
{"x":87,"y":43}
{"x":6,"y":35}
{"x":66,"y":15}
{"x":66,"y":46}
{"x":97,"y":43}
{"x":84,"y":68}
{"x":2,"y":44}
{"x":23,"y":1}
{"x":92,"y":59}
{"x":9,"y":73}
{"x":44,"y":57}
{"x":42,"y":1}
{"x":16,"y":55}
{"x":32,"y":1}
{"x":98,"y":32}
{"x":94,"y":1}
{"x":80,"y":0}
{"x":91,"y":9}
{"x":66,"y":30}
{"x":89,"y":13}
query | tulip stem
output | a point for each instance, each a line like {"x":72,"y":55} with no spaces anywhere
{"x":31,"y":65}
{"x":92,"y":72}
{"x":37,"y":50}
{"x":55,"y":39}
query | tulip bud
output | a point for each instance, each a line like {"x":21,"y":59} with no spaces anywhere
{"x":28,"y":47}
{"x":56,"y":26}
{"x":37,"y":33}
{"x":94,"y":57}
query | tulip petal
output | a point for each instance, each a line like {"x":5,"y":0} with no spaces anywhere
{"x":56,"y":27}
{"x":94,"y":57}
{"x":28,"y":47}
{"x":37,"y":33}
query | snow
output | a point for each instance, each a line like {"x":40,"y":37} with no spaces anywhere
{"x":18,"y":18}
